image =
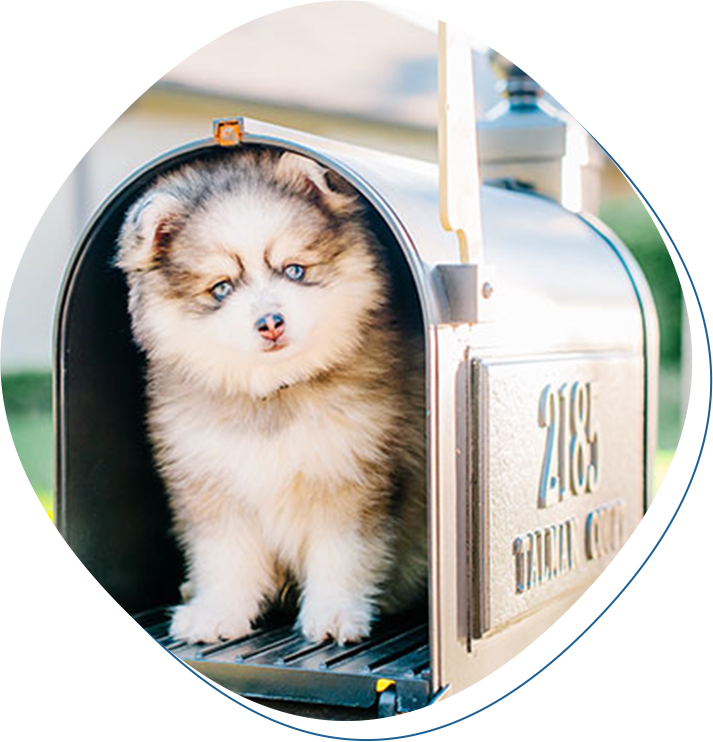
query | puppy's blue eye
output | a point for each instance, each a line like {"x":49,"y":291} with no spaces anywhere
{"x":222,"y":290}
{"x":294,"y":272}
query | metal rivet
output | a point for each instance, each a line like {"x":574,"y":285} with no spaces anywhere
{"x":487,"y":290}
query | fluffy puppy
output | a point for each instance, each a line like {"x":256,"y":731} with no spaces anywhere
{"x":284,"y":418}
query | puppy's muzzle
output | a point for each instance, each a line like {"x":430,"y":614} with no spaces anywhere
{"x":271,"y":326}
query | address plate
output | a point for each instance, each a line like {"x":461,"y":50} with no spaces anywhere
{"x":557,"y":475}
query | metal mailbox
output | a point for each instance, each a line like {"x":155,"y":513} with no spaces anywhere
{"x":540,"y":425}
{"x":540,"y":440}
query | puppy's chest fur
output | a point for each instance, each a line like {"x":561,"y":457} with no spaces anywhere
{"x":319,"y":450}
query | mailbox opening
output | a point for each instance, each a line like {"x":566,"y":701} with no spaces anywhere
{"x":112,"y":508}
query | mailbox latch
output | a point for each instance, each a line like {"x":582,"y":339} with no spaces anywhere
{"x":228,"y":132}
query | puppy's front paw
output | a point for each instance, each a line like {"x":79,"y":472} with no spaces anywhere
{"x":202,"y":621}
{"x":344,"y":621}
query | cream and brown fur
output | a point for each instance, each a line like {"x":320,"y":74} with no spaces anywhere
{"x":300,"y":458}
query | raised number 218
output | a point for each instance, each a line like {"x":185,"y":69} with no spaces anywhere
{"x":572,"y":461}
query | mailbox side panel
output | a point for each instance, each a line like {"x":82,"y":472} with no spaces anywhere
{"x":542,"y":434}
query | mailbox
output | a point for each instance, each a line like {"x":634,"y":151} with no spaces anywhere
{"x":540,"y":427}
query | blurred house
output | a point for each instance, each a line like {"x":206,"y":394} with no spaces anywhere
{"x":351,"y":71}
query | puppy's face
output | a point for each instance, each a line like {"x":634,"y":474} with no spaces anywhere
{"x":249,"y":274}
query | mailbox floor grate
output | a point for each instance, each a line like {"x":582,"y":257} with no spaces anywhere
{"x":276,"y":662}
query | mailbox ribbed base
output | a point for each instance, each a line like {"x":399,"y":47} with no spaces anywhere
{"x":277,"y":663}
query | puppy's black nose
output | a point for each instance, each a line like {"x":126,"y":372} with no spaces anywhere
{"x":271,"y":326}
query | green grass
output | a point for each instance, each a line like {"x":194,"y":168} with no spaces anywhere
{"x":25,"y":393}
{"x":27,"y":468}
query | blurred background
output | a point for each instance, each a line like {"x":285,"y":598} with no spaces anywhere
{"x":353,"y":71}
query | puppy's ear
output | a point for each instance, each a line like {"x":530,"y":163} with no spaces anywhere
{"x":148,"y":230}
{"x":306,"y":177}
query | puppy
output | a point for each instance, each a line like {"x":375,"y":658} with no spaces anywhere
{"x":285,"y":411}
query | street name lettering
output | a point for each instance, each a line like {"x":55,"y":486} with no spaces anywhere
{"x":546,"y":554}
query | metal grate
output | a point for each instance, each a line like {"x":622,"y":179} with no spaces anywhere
{"x":276,"y":662}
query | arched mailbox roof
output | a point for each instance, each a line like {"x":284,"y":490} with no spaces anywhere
{"x":562,"y":283}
